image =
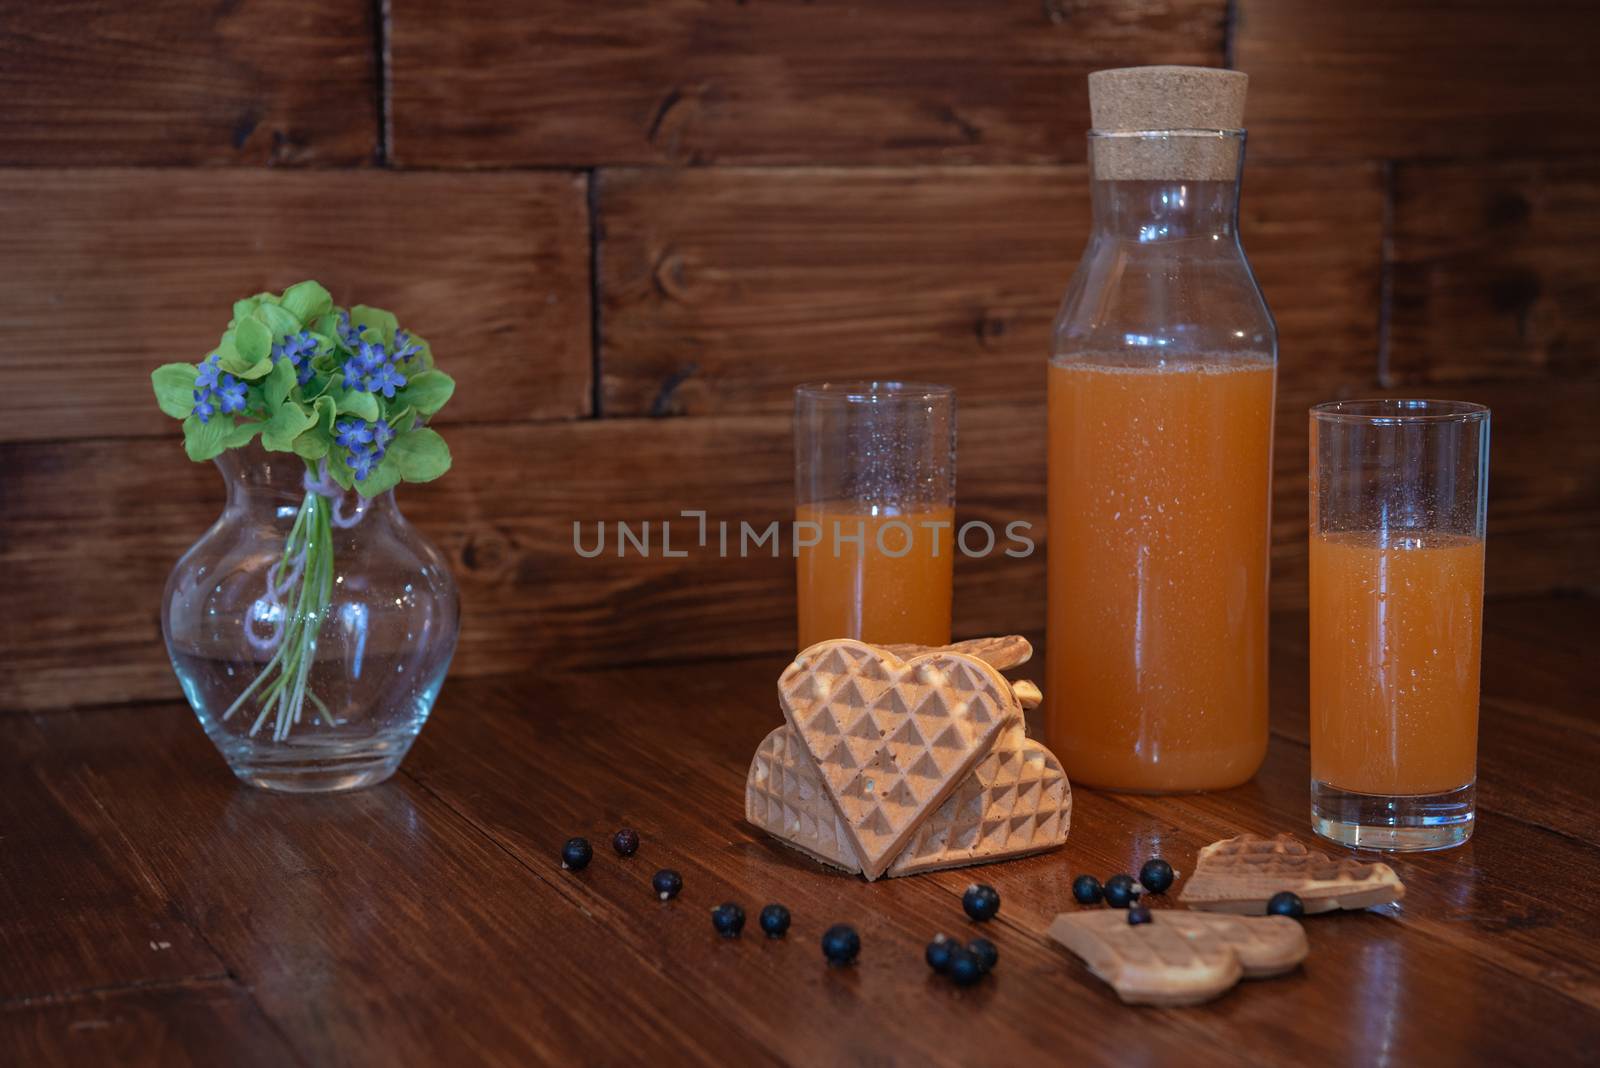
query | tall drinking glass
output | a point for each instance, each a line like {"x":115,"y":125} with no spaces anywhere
{"x":1399,"y":490}
{"x":875,"y":489}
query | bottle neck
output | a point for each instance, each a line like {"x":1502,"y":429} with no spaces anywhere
{"x":1155,"y":210}
{"x":1166,"y":185}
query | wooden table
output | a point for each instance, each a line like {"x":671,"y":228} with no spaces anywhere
{"x":153,"y":910}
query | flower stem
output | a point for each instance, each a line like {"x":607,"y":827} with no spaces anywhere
{"x":305,"y":575}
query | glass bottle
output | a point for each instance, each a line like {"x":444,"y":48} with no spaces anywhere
{"x":310,"y":629}
{"x":1161,"y":387}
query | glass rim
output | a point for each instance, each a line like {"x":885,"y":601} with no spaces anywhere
{"x":1397,"y":411}
{"x":1163,"y":135}
{"x":873,"y":391}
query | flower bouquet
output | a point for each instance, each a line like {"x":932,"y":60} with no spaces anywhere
{"x":327,"y":406}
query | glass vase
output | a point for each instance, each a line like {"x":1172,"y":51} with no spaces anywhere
{"x":310,"y":628}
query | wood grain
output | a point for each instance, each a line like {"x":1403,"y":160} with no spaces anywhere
{"x":429,"y":919}
{"x":497,"y":83}
{"x":106,"y":923}
{"x":192,"y":1024}
{"x":90,"y":83}
{"x":723,"y":288}
{"x":1494,"y":270}
{"x":97,"y":526}
{"x":104,"y":275}
{"x":458,"y":953}
{"x":1407,"y":79}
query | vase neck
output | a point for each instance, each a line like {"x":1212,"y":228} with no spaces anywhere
{"x":258,"y":479}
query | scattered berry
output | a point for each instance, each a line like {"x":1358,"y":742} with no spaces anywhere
{"x":667,"y":883}
{"x":575,"y":855}
{"x":1286,"y":903}
{"x":938,"y":953}
{"x":1119,"y":891}
{"x":981,"y":902}
{"x":965,"y":968}
{"x":840,"y":944}
{"x":1086,"y":890}
{"x":1138,"y":914}
{"x":985,"y":952}
{"x":775,"y":921}
{"x":728,"y":919}
{"x":625,"y":842}
{"x":1157,"y":875}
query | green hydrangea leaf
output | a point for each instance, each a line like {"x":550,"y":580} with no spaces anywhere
{"x":258,"y":370}
{"x":242,"y":309}
{"x":206,"y":441}
{"x":278,"y":384}
{"x":339,"y":469}
{"x":253,"y":340}
{"x":174,"y":386}
{"x":376,"y":320}
{"x":320,"y":386}
{"x":383,"y":478}
{"x":307,"y":300}
{"x":328,"y":324}
{"x":313,"y":444}
{"x":287,"y":423}
{"x":318,"y":439}
{"x":354,"y":402}
{"x":422,"y":455}
{"x":279,"y":322}
{"x":230,"y":358}
{"x":427,"y":392}
{"x":243,"y":434}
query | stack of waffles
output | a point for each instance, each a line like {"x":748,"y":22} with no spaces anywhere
{"x":898,"y":760}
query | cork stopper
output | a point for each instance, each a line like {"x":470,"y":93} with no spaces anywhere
{"x":1199,"y":111}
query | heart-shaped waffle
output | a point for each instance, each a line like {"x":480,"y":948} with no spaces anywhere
{"x":1002,"y":653}
{"x":891,"y":738}
{"x":784,"y":796}
{"x":1179,"y":957}
{"x":1241,"y":875}
{"x":1016,"y":801}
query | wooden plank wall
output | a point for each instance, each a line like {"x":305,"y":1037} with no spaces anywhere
{"x":630,"y":228}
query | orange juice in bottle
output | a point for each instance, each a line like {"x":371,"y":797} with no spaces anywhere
{"x":874,"y":536}
{"x":880,"y":577}
{"x":1395,"y":625}
{"x":1161,"y":390}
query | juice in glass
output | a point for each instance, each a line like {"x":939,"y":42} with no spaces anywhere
{"x":1395,"y":636}
{"x":1159,"y":514}
{"x":1399,"y":495}
{"x":891,"y":585}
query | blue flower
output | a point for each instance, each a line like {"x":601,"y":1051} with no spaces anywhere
{"x":203,"y":406}
{"x":370,"y":356}
{"x":406,"y":347}
{"x":205,"y":378}
{"x":385,"y":379}
{"x":382,"y":434}
{"x":350,"y":335}
{"x":361,"y":463}
{"x":230,"y":395}
{"x":353,"y":434}
{"x":298,"y":349}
